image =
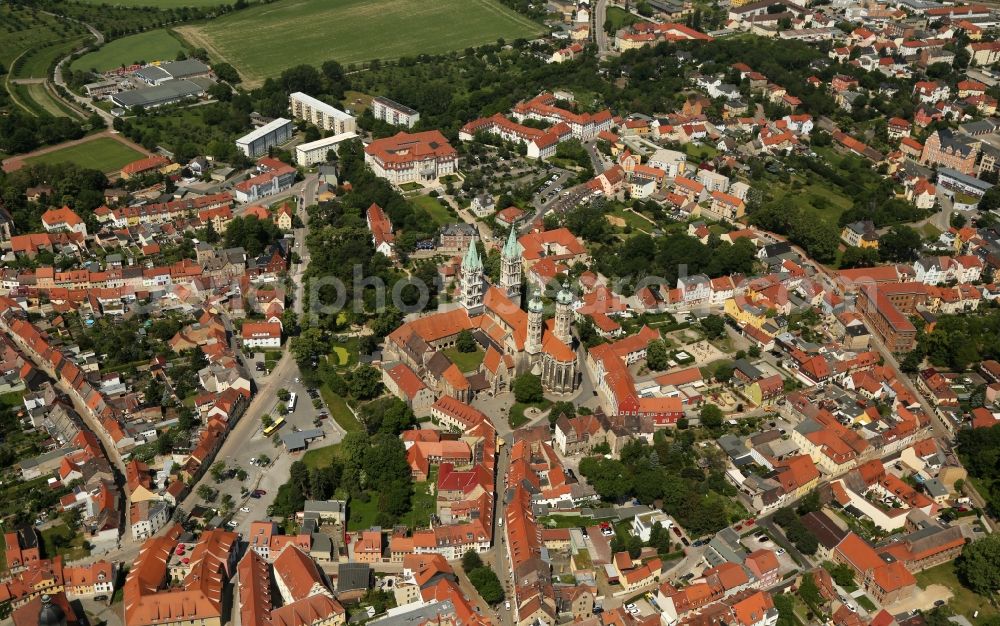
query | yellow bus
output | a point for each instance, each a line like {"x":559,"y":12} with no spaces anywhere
{"x":275,"y":425}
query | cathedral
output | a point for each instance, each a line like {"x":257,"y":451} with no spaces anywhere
{"x":515,"y":341}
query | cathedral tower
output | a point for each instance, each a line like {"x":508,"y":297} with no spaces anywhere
{"x":564,"y":315}
{"x":533,"y":342}
{"x":510,"y":268}
{"x":472,"y":281}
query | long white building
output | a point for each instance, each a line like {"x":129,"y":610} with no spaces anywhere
{"x":392,"y":112}
{"x":315,"y":151}
{"x":326,"y":116}
{"x":258,"y":142}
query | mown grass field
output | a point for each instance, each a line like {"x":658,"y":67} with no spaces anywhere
{"x":434,"y":207}
{"x":153,"y":45}
{"x":350,"y":31}
{"x":104,"y":154}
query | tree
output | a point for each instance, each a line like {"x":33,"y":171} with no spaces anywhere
{"x":859,"y":257}
{"x":528,"y":389}
{"x":842,"y":574}
{"x":809,"y":503}
{"x":466,"y":342}
{"x":809,"y":592}
{"x":487,"y":584}
{"x":979,"y":565}
{"x":471,"y":561}
{"x":283,"y":394}
{"x":563,"y":407}
{"x":218,"y":471}
{"x":713,"y":325}
{"x":990,"y":200}
{"x":206,"y":493}
{"x":901,"y":243}
{"x":364,"y":383}
{"x":226,"y":72}
{"x":656,"y":355}
{"x":386,"y":322}
{"x":311,"y":344}
{"x":711,"y":416}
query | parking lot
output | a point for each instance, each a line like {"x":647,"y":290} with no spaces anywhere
{"x":270,"y":477}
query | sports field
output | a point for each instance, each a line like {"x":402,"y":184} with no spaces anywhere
{"x":104,"y":154}
{"x":350,"y":31}
{"x":153,"y":45}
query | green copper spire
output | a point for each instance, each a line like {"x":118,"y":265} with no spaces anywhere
{"x":512,"y":249}
{"x":535,"y":304}
{"x":564,"y":296}
{"x":472,"y":261}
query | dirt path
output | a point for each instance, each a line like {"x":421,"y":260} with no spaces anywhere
{"x":17,"y":162}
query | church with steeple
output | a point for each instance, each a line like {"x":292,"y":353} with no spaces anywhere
{"x":515,"y":341}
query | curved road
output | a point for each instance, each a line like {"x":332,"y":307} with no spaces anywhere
{"x":57,"y":75}
{"x":599,"y":17}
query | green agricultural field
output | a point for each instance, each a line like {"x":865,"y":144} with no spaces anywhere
{"x":351,"y":31}
{"x":104,"y":154}
{"x":159,"y":4}
{"x":21,"y":32}
{"x":44,"y":100}
{"x":38,"y":62}
{"x":153,"y":45}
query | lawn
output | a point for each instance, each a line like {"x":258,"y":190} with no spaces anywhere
{"x":619,"y":18}
{"x":563,"y":521}
{"x":866,"y":603}
{"x":71,"y":543}
{"x":517,"y":418}
{"x":152,"y":45}
{"x":104,"y":154}
{"x":317,"y":458}
{"x":964,"y":601}
{"x":930,"y":231}
{"x":339,"y":410}
{"x":700,"y":152}
{"x":345,"y":353}
{"x":466,"y":361}
{"x":633,"y":220}
{"x":342,"y":355}
{"x":708,"y":370}
{"x":423,"y":504}
{"x":361,"y":515}
{"x":351,"y":31}
{"x":438,"y":212}
{"x":820,"y":199}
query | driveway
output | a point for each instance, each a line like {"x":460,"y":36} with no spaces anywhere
{"x":921,"y":600}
